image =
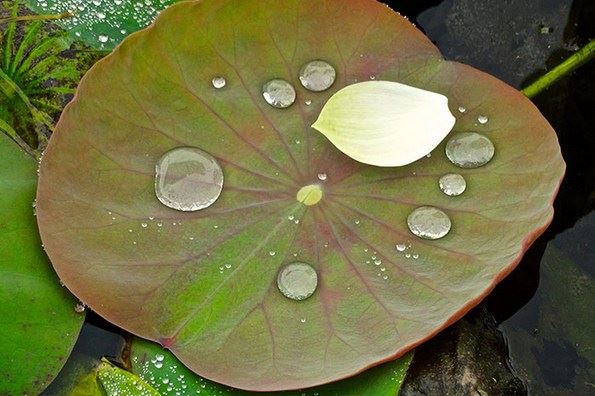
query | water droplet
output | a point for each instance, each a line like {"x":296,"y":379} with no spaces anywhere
{"x":356,"y":222}
{"x":322,"y":176}
{"x":428,"y":222}
{"x":278,"y":93}
{"x":218,"y":82}
{"x":377,"y":261}
{"x":415,"y":256}
{"x":303,"y":320}
{"x":159,"y":357}
{"x":462,"y":109}
{"x":308,"y":102}
{"x":452,"y":184}
{"x":469,"y":150}
{"x":102,"y":38}
{"x":188,"y":179}
{"x":290,"y":217}
{"x":385,"y":277}
{"x":407,"y":255}
{"x":79,"y":308}
{"x":228,"y":266}
{"x":144,"y":225}
{"x":297,"y":280}
{"x":317,"y":75}
{"x":158,"y":364}
{"x":401,"y":247}
{"x":272,"y":253}
{"x":482,"y":119}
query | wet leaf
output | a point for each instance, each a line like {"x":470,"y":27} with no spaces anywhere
{"x":162,"y":370}
{"x":102,"y":23}
{"x":116,"y":381}
{"x":204,"y":283}
{"x":38,"y":324}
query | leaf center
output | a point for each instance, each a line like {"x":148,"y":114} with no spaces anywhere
{"x":309,"y":195}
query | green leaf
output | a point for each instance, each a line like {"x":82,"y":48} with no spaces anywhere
{"x":38,"y":324}
{"x":168,"y":375}
{"x":204,"y":284}
{"x":116,"y":381}
{"x":102,"y":24}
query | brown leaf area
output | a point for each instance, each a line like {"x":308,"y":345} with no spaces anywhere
{"x":168,"y":281}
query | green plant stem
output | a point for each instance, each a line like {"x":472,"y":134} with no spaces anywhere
{"x":576,"y":60}
{"x":47,"y":17}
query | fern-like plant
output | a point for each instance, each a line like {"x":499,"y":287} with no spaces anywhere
{"x":33,"y":75}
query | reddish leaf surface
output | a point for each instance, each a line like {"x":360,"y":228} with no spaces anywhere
{"x":163,"y":281}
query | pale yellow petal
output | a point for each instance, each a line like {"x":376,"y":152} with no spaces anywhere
{"x":385,"y":123}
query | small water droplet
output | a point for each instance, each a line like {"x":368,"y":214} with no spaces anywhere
{"x":415,"y":256}
{"x":482,"y":119}
{"x":159,"y":357}
{"x":428,"y":222}
{"x":356,"y":222}
{"x":228,"y":266}
{"x":272,"y":253}
{"x":469,"y":150}
{"x":290,"y":217}
{"x":322,"y":176}
{"x":317,"y":75}
{"x":462,"y":109}
{"x":401,"y":247}
{"x":297,"y":280}
{"x":452,"y":184}
{"x":144,"y":225}
{"x":79,"y":308}
{"x":158,"y":364}
{"x":218,"y":82}
{"x":188,"y":179}
{"x":308,"y":102}
{"x":407,"y":255}
{"x":278,"y":93}
{"x":303,"y":320}
{"x":385,"y":277}
{"x":377,"y":261}
{"x":102,"y":38}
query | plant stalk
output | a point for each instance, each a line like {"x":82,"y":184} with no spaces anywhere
{"x":47,"y":17}
{"x":576,"y":60}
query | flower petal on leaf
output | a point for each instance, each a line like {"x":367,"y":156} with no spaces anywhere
{"x":385,"y":123}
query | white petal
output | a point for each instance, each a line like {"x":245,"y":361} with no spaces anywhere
{"x":385,"y":123}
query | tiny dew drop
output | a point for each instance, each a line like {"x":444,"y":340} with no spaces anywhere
{"x":401,"y":247}
{"x":322,"y":176}
{"x":218,"y":82}
{"x":317,"y":76}
{"x":102,"y":38}
{"x":452,"y":184}
{"x":278,"y":93}
{"x":462,"y":109}
{"x":428,"y":222}
{"x":482,"y":119}
{"x":188,"y":179}
{"x":469,"y":150}
{"x":297,"y":281}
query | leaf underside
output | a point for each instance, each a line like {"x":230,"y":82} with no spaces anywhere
{"x":169,"y":282}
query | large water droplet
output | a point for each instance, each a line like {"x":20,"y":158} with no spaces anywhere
{"x":452,"y":184}
{"x":317,"y":75}
{"x":188,"y":179}
{"x":428,"y":222}
{"x":278,"y":93}
{"x":469,"y":150}
{"x":297,"y":281}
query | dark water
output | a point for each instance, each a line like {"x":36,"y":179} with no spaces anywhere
{"x":551,"y":351}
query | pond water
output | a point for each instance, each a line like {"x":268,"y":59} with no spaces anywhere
{"x":550,"y":351}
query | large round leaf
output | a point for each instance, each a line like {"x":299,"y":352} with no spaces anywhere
{"x":38,"y":323}
{"x":203,"y":284}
